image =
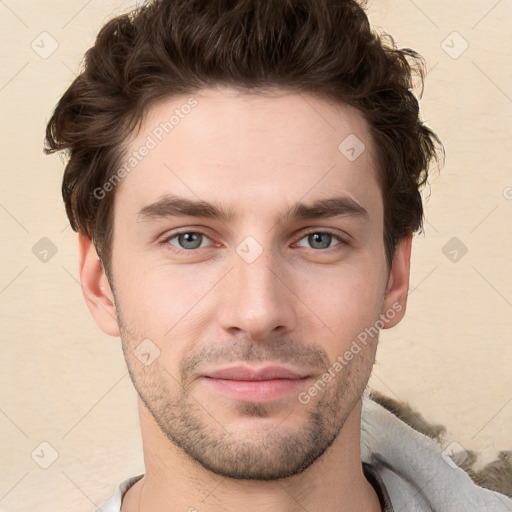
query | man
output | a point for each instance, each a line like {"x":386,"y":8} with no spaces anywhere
{"x":244,"y":177}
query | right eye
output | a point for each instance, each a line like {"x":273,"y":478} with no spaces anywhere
{"x":186,"y":240}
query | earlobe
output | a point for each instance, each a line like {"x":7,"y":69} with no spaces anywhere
{"x":397,"y":289}
{"x":95,"y":287}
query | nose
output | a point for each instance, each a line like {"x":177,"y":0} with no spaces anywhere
{"x":257,"y":298}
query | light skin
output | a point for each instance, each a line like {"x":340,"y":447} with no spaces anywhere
{"x":206,"y":305}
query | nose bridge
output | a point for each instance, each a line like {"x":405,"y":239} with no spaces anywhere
{"x":256,"y":269}
{"x":259,"y":301}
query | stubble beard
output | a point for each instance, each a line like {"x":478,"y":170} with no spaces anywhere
{"x":272,"y":453}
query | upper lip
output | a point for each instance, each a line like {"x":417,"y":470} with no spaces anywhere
{"x":242,"y":372}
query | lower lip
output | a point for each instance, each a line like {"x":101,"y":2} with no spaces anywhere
{"x":255,"y":390}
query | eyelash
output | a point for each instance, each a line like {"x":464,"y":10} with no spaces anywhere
{"x":175,"y":249}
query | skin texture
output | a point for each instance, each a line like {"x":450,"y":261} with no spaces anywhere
{"x":300,"y":303}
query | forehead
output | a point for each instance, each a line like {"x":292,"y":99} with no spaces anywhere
{"x":255,"y":152}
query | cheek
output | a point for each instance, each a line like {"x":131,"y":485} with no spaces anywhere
{"x":348,"y":303}
{"x":160,"y":300}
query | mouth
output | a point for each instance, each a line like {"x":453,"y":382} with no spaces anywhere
{"x":247,"y":383}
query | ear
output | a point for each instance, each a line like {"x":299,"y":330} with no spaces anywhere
{"x":95,"y":287}
{"x":395,"y":301}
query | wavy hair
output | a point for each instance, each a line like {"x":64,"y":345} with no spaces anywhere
{"x":165,"y":47}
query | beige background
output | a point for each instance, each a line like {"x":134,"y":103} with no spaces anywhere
{"x":64,"y":382}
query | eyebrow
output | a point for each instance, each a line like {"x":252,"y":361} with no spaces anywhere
{"x":174,"y":206}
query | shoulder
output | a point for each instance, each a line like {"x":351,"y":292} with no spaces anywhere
{"x":407,"y":451}
{"x":113,"y":504}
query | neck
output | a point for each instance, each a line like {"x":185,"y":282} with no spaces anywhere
{"x":174,"y":482}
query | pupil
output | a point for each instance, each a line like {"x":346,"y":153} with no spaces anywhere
{"x":317,"y":238}
{"x":189,"y":238}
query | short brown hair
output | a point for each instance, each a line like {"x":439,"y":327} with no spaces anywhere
{"x":166,"y":47}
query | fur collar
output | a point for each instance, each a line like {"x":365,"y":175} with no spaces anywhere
{"x":408,"y":453}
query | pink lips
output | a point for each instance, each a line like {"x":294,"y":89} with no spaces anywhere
{"x":250,"y":384}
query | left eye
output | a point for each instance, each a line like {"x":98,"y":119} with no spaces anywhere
{"x":321,"y":240}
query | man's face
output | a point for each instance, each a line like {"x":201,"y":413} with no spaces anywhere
{"x":205,"y":303}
